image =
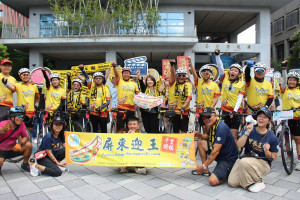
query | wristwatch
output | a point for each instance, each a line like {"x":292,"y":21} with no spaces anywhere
{"x":204,"y":167}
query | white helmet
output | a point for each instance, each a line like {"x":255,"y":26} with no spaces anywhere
{"x":206,"y":67}
{"x":293,"y":74}
{"x":181,"y":71}
{"x":77,"y":80}
{"x":23,"y":70}
{"x":260,"y":65}
{"x":98,"y":74}
{"x":239,"y":67}
{"x":54,"y":75}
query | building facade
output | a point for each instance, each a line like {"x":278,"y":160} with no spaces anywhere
{"x":192,"y":27}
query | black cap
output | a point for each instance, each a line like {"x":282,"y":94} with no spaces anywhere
{"x":266,"y":112}
{"x":208,"y":111}
{"x":57,"y":120}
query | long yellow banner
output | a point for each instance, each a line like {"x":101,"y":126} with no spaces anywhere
{"x":148,"y":150}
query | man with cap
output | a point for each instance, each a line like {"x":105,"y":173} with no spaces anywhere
{"x":217,"y":144}
{"x":261,"y":147}
{"x":259,"y":91}
{"x":6,"y":96}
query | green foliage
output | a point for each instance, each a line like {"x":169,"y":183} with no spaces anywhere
{"x":294,"y":60}
{"x":276,"y":65}
{"x":3,"y":52}
{"x":20,"y":59}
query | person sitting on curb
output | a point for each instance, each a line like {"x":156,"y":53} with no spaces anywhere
{"x":133,"y":126}
{"x":261,"y":147}
{"x":218,"y":143}
{"x":9,"y":131}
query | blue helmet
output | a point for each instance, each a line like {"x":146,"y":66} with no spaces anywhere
{"x":16,"y":110}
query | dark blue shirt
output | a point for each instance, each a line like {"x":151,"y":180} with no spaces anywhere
{"x":229,"y":151}
{"x":256,"y":141}
{"x":51,"y":143}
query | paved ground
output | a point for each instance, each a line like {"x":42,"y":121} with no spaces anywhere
{"x":90,"y":182}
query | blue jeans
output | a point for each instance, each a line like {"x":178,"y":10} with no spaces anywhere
{"x":38,"y":120}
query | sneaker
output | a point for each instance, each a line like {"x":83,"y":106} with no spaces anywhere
{"x":142,"y":171}
{"x":256,"y":187}
{"x":25,"y":167}
{"x":63,"y":169}
{"x":123,"y":170}
{"x":297,"y":167}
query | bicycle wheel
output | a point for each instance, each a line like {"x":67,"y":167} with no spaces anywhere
{"x":287,"y":155}
{"x":113,"y":127}
{"x":88,"y":127}
{"x":170,"y":127}
{"x":77,"y":127}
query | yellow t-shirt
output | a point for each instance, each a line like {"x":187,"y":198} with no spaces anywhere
{"x":99,"y":99}
{"x":258,"y":93}
{"x":6,"y":95}
{"x":291,"y":99}
{"x":206,"y":93}
{"x":177,"y":96}
{"x":73,"y":104}
{"x":53,"y":98}
{"x":26,"y":96}
{"x":230,"y":94}
{"x":125,"y":92}
{"x":277,"y":89}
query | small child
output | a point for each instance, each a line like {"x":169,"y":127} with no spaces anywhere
{"x":133,"y":126}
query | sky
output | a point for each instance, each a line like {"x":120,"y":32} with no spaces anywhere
{"x":247,"y":36}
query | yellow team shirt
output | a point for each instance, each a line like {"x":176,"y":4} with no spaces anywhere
{"x":6,"y":95}
{"x":76,"y":97}
{"x":125,"y":92}
{"x":102,"y":96}
{"x":258,"y":93}
{"x":53,"y":98}
{"x":230,"y":94}
{"x":291,"y":99}
{"x":206,"y":93}
{"x":26,"y":96}
{"x":277,"y":89}
{"x":177,"y":98}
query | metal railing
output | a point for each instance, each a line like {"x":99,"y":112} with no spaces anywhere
{"x":26,"y":32}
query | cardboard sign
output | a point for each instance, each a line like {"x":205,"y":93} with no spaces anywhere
{"x":283,"y":115}
{"x":146,"y":102}
{"x":37,"y":76}
{"x":183,"y":62}
{"x":143,"y":67}
{"x":166,"y":69}
{"x":140,"y":59}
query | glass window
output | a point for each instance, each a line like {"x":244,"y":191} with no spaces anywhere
{"x":278,"y":25}
{"x":292,"y":18}
{"x":171,"y":24}
{"x":1,"y":13}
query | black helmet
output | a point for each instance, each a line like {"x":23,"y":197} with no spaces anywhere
{"x":16,"y":110}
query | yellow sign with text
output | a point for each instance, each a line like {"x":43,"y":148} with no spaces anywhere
{"x":148,"y":150}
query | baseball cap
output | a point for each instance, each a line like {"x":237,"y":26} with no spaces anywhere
{"x":5,"y":61}
{"x":266,"y":112}
{"x":57,"y":120}
{"x":208,"y":111}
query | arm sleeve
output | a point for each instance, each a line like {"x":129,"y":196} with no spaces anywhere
{"x":238,"y":102}
{"x":247,"y":75}
{"x":86,"y":76}
{"x":69,"y":83}
{"x":62,"y":105}
{"x":46,"y":79}
{"x":143,"y":86}
{"x":269,"y":102}
{"x":284,"y":79}
{"x":220,"y":64}
{"x":104,"y":105}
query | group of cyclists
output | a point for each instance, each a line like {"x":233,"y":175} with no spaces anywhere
{"x":218,"y":140}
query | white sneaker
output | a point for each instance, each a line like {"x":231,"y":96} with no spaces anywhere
{"x":34,"y":171}
{"x":297,"y":167}
{"x":63,"y":169}
{"x":142,"y":171}
{"x":256,"y":187}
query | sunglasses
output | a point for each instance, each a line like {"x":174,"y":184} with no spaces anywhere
{"x":205,"y":73}
{"x":25,"y":75}
{"x":260,"y":70}
{"x":206,"y":117}
{"x":181,"y":75}
{"x":20,"y":116}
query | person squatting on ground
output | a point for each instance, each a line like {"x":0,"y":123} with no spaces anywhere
{"x":219,"y":145}
{"x":10,"y":131}
{"x":259,"y":142}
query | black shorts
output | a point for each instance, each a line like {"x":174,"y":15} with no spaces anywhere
{"x":180,"y":124}
{"x":232,"y":123}
{"x":294,"y":127}
{"x":223,"y":169}
{"x":123,"y":117}
{"x":9,"y":154}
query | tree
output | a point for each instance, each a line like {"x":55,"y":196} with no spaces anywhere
{"x":294,"y":60}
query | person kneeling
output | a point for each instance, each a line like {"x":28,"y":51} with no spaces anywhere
{"x":54,"y":144}
{"x":261,"y":147}
{"x":9,"y":131}
{"x":133,"y":126}
{"x":219,"y":144}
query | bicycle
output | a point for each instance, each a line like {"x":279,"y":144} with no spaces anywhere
{"x":71,"y":125}
{"x":170,"y":114}
{"x":87,"y":126}
{"x":113,"y":126}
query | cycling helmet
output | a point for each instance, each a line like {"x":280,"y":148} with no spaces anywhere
{"x":23,"y":70}
{"x":77,"y":80}
{"x":206,"y":67}
{"x":16,"y":110}
{"x":239,"y":67}
{"x":54,"y":75}
{"x":260,"y":65}
{"x":126,"y":69}
{"x":293,"y":74}
{"x":98,"y":74}
{"x":181,"y":71}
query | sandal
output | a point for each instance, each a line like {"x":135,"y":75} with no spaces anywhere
{"x":194,"y":172}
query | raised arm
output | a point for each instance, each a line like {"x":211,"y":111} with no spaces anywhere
{"x":172,"y":76}
{"x":46,"y":78}
{"x":284,"y":74}
{"x":219,"y":62}
{"x":9,"y":86}
{"x":247,"y":71}
{"x":193,"y":70}
{"x":117,"y":75}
